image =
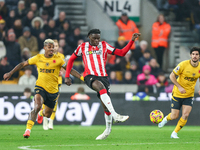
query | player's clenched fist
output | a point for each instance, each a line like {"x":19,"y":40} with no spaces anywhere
{"x":68,"y":81}
{"x":135,"y":36}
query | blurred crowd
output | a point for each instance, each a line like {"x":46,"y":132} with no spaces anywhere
{"x":183,"y":10}
{"x":139,"y":66}
{"x":24,"y":25}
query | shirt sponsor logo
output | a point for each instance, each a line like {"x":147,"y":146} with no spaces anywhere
{"x":47,"y":70}
{"x":190,"y":79}
{"x":97,"y":52}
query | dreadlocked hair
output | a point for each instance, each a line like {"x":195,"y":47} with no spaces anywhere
{"x":94,"y":31}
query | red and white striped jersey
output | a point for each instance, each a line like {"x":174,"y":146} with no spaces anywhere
{"x":94,"y":57}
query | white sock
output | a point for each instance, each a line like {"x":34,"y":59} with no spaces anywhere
{"x":107,"y":102}
{"x":50,"y":121}
{"x":108,"y":120}
{"x":28,"y":129}
{"x":45,"y":119}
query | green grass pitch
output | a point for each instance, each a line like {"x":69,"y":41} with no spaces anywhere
{"x":65,"y":137}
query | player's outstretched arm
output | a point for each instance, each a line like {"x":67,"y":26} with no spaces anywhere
{"x":75,"y":73}
{"x":21,"y":65}
{"x":69,"y":68}
{"x":122,"y":52}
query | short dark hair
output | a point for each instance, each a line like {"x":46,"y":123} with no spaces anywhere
{"x":27,"y":90}
{"x":161,"y":73}
{"x":195,"y":49}
{"x":28,"y":68}
{"x":147,"y":51}
{"x":94,"y":31}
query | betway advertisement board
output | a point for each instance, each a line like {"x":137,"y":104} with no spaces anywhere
{"x":14,"y":109}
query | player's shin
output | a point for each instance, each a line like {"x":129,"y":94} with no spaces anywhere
{"x":180,"y":124}
{"x":169,"y":117}
{"x":54,"y":111}
{"x":50,"y":126}
{"x":106,"y":133}
{"x":108,"y":120}
{"x":45,"y":123}
{"x":53,"y":115}
{"x":29,"y":125}
{"x":51,"y":120}
{"x":107,"y":102}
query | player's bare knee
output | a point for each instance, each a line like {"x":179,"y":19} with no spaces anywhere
{"x":174,"y":116}
{"x":185,"y":116}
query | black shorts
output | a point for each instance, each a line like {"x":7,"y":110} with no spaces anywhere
{"x":176,"y":103}
{"x":49,"y":98}
{"x":89,"y":79}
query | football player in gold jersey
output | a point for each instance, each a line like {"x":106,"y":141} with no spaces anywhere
{"x":188,"y":72}
{"x":49,"y":125}
{"x":46,"y":88}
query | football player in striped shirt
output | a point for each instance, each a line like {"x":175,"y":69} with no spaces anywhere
{"x":94,"y":54}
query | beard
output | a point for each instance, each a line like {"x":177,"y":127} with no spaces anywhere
{"x":195,"y":61}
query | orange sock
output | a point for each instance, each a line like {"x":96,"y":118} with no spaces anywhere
{"x":180,"y":124}
{"x":169,"y":117}
{"x":29,"y":124}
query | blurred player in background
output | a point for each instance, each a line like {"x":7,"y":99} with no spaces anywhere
{"x":27,"y":93}
{"x":46,"y":88}
{"x":94,"y":54}
{"x":188,"y":72}
{"x":49,"y":125}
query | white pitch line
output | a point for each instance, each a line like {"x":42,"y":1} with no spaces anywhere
{"x":31,"y":147}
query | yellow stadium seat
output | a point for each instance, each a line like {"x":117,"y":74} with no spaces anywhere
{"x":119,"y":75}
